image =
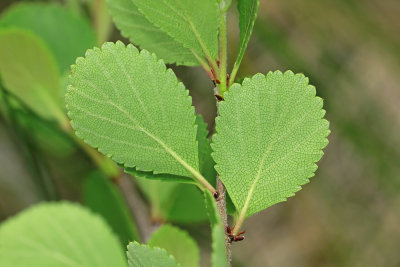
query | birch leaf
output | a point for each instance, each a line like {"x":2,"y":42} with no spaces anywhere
{"x":270,"y":134}
{"x":192,"y":23}
{"x":130,"y":107}
{"x":135,"y":26}
{"x":247,"y":16}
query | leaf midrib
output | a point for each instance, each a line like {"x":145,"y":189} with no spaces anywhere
{"x":262,"y":162}
{"x":191,"y":26}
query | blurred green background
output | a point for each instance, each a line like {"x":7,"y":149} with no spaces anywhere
{"x":349,"y":215}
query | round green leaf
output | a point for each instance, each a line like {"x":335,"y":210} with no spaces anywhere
{"x":58,"y":234}
{"x":270,"y":134}
{"x":130,"y":107}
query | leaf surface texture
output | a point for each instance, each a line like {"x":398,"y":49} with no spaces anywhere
{"x":192,"y":23}
{"x":270,"y":134}
{"x":130,"y":107}
{"x":135,"y":26}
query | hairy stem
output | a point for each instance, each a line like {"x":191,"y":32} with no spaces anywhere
{"x":221,"y":89}
{"x":221,"y":204}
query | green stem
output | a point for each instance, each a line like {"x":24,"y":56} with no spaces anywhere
{"x":223,"y":52}
{"x":234,"y":72}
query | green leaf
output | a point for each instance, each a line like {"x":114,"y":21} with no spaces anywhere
{"x":130,"y":107}
{"x":135,"y":26}
{"x":247,"y":16}
{"x":58,"y":234}
{"x":192,"y":23}
{"x":102,"y":197}
{"x":270,"y":134}
{"x":145,"y":256}
{"x":206,"y":162}
{"x":218,"y":256}
{"x":29,"y":72}
{"x":66,"y":34}
{"x":177,"y":243}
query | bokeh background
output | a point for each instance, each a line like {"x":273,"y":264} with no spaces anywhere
{"x":349,"y":215}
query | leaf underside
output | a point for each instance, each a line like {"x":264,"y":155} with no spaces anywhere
{"x":177,"y":243}
{"x":130,"y":107}
{"x":194,"y":24}
{"x":272,"y":131}
{"x":58,"y":234}
{"x":135,"y":26}
{"x":247,"y":16}
{"x":146,"y":256}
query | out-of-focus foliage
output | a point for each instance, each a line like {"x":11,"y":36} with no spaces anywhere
{"x":29,"y":71}
{"x":61,"y":234}
{"x":178,"y":244}
{"x":102,"y":197}
{"x":66,"y":34}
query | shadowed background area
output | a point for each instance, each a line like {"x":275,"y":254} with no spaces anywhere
{"x":349,"y":215}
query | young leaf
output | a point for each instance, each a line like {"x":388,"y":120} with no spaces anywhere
{"x":67,"y":35}
{"x":218,"y":256}
{"x":193,"y":23}
{"x":270,"y":134}
{"x":135,"y":26}
{"x":102,"y":197}
{"x":130,"y":107}
{"x":29,"y":72}
{"x":145,"y":256}
{"x":177,"y":243}
{"x":58,"y":234}
{"x":247,"y":16}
